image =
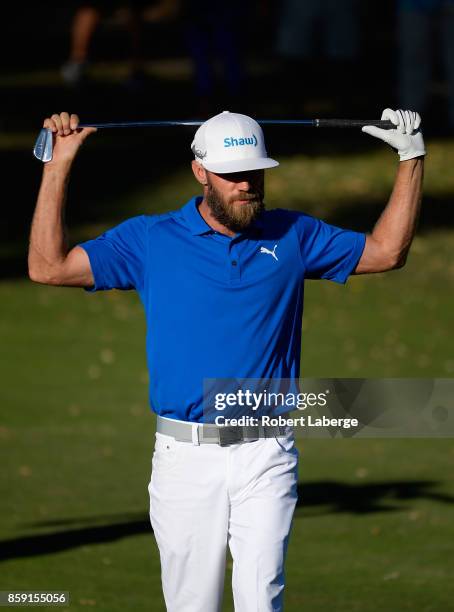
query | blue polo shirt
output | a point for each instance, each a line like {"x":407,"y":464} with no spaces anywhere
{"x":219,"y":307}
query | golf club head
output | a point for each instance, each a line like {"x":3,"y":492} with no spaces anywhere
{"x":43,"y":145}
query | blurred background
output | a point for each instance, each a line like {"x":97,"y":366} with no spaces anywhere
{"x":374,"y":520}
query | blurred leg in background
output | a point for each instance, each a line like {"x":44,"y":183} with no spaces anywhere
{"x":295,"y":41}
{"x":415,"y":57}
{"x":84,"y":25}
{"x":425,"y":34}
{"x":211,"y":34}
{"x":318,"y":42}
{"x":128,"y":15}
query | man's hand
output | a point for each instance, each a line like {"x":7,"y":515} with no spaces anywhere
{"x":67,"y":137}
{"x":406,"y":139}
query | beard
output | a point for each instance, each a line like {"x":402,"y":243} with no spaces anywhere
{"x":236,"y":216}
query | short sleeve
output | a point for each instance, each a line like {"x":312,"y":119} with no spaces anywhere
{"x":328,"y":252}
{"x":117,"y":257}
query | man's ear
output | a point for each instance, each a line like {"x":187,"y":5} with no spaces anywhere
{"x":199,"y":172}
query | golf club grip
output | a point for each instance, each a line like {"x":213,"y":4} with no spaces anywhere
{"x":353,"y":123}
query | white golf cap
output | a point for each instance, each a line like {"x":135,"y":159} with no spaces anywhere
{"x":230,"y":142}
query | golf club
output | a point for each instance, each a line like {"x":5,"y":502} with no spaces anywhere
{"x":43,"y":145}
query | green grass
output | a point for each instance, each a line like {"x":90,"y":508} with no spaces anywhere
{"x":374,"y":529}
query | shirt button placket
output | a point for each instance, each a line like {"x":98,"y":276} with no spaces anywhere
{"x":234,"y":264}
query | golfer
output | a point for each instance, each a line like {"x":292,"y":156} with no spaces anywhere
{"x":221,"y":280}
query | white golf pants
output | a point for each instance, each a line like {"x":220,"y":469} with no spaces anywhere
{"x":205,"y":497}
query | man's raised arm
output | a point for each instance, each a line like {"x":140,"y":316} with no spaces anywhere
{"x":388,"y":245}
{"x":49,"y":261}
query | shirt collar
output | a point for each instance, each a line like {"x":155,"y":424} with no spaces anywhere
{"x":198,"y":226}
{"x":196,"y":223}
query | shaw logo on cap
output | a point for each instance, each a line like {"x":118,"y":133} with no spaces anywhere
{"x":240,"y":142}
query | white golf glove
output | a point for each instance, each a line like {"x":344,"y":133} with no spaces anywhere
{"x":406,"y":139}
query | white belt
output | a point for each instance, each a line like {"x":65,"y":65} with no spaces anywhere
{"x":207,"y":433}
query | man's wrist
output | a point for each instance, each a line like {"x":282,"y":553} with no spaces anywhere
{"x":416,"y":155}
{"x":412,"y":159}
{"x":61,"y":167}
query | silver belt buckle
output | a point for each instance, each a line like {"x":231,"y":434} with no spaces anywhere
{"x":229,"y":435}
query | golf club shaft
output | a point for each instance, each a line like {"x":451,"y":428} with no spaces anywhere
{"x":43,"y":145}
{"x":333,"y":123}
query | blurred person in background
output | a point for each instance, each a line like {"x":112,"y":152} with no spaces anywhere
{"x":132,"y":15}
{"x":319,"y":41}
{"x":213,"y":33}
{"x":425,"y":26}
